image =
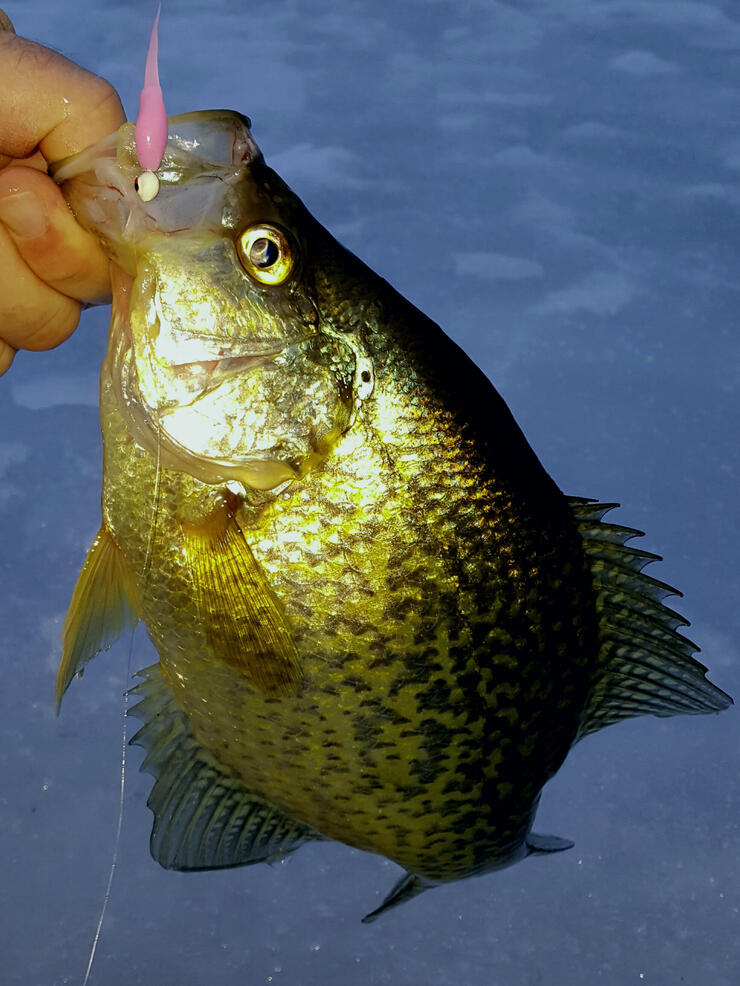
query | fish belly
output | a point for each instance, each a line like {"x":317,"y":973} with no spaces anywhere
{"x":443,"y":641}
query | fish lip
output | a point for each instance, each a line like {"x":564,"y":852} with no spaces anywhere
{"x":227,"y":365}
{"x":217,"y":370}
{"x":179,"y":348}
{"x":244,"y":358}
{"x":197,"y":377}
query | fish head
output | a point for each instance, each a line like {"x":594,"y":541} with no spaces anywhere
{"x":219,"y":354}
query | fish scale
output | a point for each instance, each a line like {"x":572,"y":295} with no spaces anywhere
{"x":378,"y":619}
{"x":452,"y":689}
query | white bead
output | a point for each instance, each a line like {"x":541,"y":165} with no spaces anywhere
{"x":147,"y":186}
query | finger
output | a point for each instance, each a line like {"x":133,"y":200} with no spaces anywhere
{"x":35,"y":316}
{"x":6,"y":356}
{"x":61,"y":110}
{"x":49,"y":239}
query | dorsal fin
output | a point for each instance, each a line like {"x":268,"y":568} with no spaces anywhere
{"x":236,"y":606}
{"x":644,"y":664}
{"x":204,"y":816}
{"x":104,"y":603}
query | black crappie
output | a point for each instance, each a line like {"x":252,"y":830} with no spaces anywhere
{"x":378,"y":619}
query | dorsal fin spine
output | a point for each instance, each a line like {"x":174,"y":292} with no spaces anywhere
{"x":644,"y":664}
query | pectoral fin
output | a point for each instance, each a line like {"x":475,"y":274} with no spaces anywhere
{"x":104,"y":603}
{"x":236,"y":606}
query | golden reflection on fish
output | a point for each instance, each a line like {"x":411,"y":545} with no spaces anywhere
{"x":378,"y":619}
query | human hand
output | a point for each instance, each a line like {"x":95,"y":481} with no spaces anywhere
{"x":49,"y":265}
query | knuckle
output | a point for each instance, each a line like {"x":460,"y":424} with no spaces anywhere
{"x":52,"y":324}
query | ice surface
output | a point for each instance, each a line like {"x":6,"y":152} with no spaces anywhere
{"x":555,"y":182}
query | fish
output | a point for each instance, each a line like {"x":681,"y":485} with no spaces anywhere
{"x":377,"y":617}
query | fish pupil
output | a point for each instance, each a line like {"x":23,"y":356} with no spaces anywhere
{"x":264,"y":253}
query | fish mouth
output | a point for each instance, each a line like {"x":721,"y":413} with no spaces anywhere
{"x":169,"y":372}
{"x":148,"y":423}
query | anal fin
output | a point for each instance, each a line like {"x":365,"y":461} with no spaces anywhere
{"x":204,"y":816}
{"x":236,"y":606}
{"x":104,"y":603}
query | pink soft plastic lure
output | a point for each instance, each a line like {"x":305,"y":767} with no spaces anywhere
{"x":151,"y":124}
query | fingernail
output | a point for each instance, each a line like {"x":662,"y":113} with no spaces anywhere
{"x":22,"y":214}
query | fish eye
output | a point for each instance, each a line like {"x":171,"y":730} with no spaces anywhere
{"x":265,"y":254}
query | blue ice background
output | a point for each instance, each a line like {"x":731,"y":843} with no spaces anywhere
{"x":555,"y":183}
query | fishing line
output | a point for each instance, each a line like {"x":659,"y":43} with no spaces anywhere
{"x":124,"y":730}
{"x":119,"y":823}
